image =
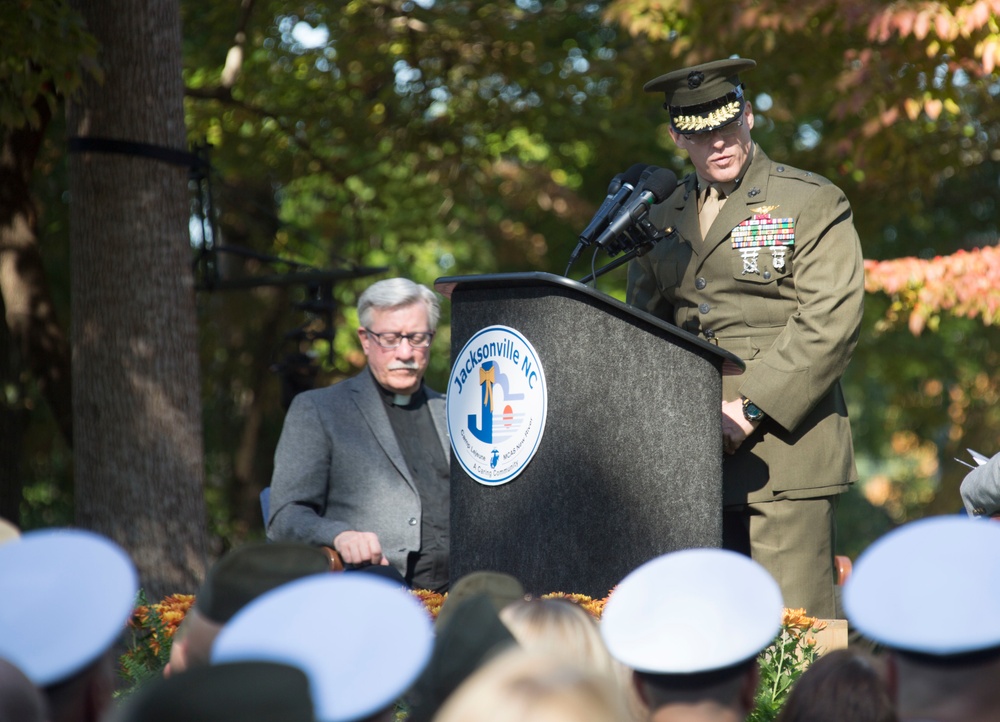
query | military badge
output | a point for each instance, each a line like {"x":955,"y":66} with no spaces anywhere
{"x":750,"y":256}
{"x":763,"y":231}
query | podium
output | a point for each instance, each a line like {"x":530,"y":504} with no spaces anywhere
{"x":629,"y":465}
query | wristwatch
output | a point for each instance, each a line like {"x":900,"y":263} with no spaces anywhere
{"x":752,"y":412}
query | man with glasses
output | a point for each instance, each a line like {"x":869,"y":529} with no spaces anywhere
{"x":363,"y":466}
{"x":763,"y":260}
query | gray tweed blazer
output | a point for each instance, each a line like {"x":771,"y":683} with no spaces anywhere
{"x":338,"y":467}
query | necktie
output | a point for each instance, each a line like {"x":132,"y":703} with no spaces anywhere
{"x":710,"y":209}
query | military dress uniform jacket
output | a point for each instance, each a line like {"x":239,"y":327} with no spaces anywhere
{"x":792,"y":315}
{"x":338,"y":467}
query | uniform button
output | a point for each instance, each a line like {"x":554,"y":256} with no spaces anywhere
{"x":704,"y":308}
{"x":700,"y":284}
{"x":780,"y":169}
{"x":767,"y":275}
{"x":413,"y":522}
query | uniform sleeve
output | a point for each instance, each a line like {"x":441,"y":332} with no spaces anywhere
{"x":813,"y":350}
{"x":302,"y":474}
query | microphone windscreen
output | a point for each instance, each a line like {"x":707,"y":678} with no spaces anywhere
{"x":634,"y":173}
{"x":661,"y":183}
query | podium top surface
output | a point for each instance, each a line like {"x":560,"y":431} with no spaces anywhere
{"x":447,"y":285}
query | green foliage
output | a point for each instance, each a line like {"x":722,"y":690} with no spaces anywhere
{"x":463,"y":137}
{"x":781,"y":664}
{"x":147,"y":648}
{"x":46,"y":55}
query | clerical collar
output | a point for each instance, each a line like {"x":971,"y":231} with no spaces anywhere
{"x":391,"y":398}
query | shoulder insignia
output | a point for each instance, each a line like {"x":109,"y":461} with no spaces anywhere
{"x":790,"y":172}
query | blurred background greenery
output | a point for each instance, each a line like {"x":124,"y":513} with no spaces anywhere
{"x":448,"y":137}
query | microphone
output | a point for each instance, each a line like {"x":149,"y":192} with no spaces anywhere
{"x":653,"y":189}
{"x":621,"y":187}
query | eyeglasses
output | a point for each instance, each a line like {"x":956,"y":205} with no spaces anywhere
{"x":420,"y":339}
{"x":725,"y":132}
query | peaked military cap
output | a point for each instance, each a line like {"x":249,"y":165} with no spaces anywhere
{"x":704,"y":97}
{"x":65,"y":597}
{"x":361,"y":640}
{"x":247,"y":571}
{"x":930,"y":587}
{"x":501,"y":588}
{"x":692,"y":611}
{"x":235,"y":692}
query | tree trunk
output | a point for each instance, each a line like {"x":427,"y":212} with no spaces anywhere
{"x":138,"y":452}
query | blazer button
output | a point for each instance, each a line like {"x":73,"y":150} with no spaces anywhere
{"x":704,"y":308}
{"x":413,"y":522}
{"x":700,"y":284}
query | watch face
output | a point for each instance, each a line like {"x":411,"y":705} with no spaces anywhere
{"x":752,"y":411}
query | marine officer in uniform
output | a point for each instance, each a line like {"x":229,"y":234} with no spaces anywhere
{"x":764,"y":261}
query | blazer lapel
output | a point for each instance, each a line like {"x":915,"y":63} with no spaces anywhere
{"x":372,"y":408}
{"x":439,"y":413}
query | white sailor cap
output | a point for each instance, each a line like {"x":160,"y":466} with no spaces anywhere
{"x":690,"y":611}
{"x":65,"y":597}
{"x":930,"y":587}
{"x":360,"y":639}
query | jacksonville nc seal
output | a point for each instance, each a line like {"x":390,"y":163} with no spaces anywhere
{"x":496,"y":405}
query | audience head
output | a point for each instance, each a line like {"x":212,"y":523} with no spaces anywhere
{"x":361,"y":641}
{"x":65,"y":597}
{"x":691,"y":624}
{"x":845,"y":684}
{"x":559,"y":627}
{"x":8,"y":531}
{"x":20,"y":700}
{"x":929,"y":592}
{"x":471,"y":635}
{"x":525,"y":686}
{"x":239,"y":577}
{"x":236,"y":692}
{"x":500,"y":588}
{"x":566,"y":630}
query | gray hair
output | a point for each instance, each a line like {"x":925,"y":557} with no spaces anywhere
{"x":396,"y":292}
